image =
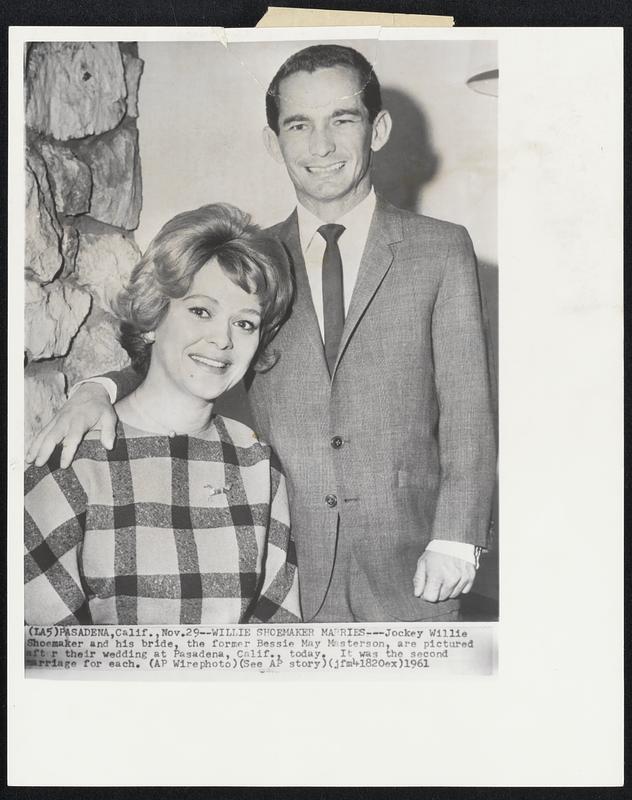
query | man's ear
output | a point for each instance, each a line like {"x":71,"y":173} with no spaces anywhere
{"x":271,"y":143}
{"x":382,"y":125}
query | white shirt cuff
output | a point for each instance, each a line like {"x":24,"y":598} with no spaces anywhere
{"x":468,"y":552}
{"x":107,"y":383}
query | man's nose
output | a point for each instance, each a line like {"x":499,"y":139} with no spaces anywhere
{"x":321,"y":142}
{"x":219,"y":334}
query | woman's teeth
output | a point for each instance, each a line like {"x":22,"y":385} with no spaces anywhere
{"x":209,"y":362}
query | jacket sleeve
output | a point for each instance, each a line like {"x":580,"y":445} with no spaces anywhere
{"x":54,"y":527}
{"x":278,"y":599}
{"x":466,"y":430}
{"x":126,"y":380}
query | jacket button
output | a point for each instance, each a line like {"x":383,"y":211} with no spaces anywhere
{"x":331,"y":500}
{"x":336,"y":442}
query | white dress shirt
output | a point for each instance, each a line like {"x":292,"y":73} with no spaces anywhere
{"x":351,"y":243}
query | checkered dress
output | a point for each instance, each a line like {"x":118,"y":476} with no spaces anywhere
{"x":163,"y":530}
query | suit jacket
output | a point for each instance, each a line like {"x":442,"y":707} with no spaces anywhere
{"x":409,"y":397}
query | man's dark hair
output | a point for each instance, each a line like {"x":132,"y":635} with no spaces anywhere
{"x":322,"y":56}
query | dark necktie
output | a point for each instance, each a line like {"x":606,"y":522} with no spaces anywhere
{"x":333,"y":297}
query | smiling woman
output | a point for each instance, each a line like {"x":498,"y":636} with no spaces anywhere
{"x":186,"y":519}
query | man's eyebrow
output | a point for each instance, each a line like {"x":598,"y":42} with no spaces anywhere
{"x":294,"y":118}
{"x":346,"y":112}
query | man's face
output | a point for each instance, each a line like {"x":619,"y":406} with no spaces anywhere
{"x":325,"y":137}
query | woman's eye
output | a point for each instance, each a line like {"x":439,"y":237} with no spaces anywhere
{"x":198,"y":311}
{"x":246,"y":325}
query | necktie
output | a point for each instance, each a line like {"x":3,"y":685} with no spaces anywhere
{"x":333,"y":297}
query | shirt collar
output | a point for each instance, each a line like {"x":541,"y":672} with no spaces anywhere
{"x":358,"y":220}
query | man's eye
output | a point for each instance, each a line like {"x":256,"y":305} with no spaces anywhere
{"x":198,"y":311}
{"x":298,"y":126}
{"x":342,"y":121}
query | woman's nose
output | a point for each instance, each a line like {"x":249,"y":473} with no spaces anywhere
{"x":219,"y":334}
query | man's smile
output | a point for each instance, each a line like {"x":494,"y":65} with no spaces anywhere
{"x":325,"y":170}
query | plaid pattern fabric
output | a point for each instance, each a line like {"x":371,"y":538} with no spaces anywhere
{"x":161,"y":530}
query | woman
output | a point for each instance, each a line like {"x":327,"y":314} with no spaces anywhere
{"x":186,"y":519}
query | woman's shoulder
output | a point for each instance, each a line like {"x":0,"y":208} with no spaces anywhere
{"x":244,"y":438}
{"x":90,"y":457}
{"x":66,"y":478}
{"x":240,"y":434}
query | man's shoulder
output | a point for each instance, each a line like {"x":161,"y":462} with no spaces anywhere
{"x":414,"y":224}
{"x":278,"y":229}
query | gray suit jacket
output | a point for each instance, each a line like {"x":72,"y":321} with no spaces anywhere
{"x":410,"y":398}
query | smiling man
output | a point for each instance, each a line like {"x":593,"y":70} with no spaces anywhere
{"x":379,"y":406}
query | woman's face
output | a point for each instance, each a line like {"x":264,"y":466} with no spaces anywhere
{"x":207,"y":339}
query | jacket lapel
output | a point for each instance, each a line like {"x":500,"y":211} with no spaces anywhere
{"x":385,"y":231}
{"x":303,"y":320}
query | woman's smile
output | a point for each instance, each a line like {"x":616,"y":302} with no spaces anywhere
{"x":215,"y":364}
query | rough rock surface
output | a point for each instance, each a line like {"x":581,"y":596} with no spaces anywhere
{"x":69,"y":247}
{"x":133,"y":70}
{"x":96,"y":347}
{"x":42,"y":253}
{"x":115,"y":167}
{"x":83,"y":197}
{"x":43,"y":395}
{"x":53,"y":315}
{"x":74,"y":89}
{"x":69,"y":177}
{"x":103,"y":265}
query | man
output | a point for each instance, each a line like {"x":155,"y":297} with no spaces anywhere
{"x":379,"y":406}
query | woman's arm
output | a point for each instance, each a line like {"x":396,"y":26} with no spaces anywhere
{"x":54,"y":528}
{"x":278,"y":600}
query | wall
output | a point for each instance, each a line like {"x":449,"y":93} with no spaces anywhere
{"x":203,"y":111}
{"x":83,"y":200}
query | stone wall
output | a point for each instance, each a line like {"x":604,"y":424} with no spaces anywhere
{"x":83,"y":200}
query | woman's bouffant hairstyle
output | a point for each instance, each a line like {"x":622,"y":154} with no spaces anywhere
{"x":256,"y":263}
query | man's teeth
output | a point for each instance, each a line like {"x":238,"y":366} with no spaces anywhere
{"x":210,"y":362}
{"x":330,"y":168}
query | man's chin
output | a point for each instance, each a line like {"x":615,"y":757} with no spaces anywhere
{"x":326,"y":191}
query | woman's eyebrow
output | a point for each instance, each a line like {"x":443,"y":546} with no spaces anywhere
{"x":201,"y":297}
{"x":212,"y":301}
